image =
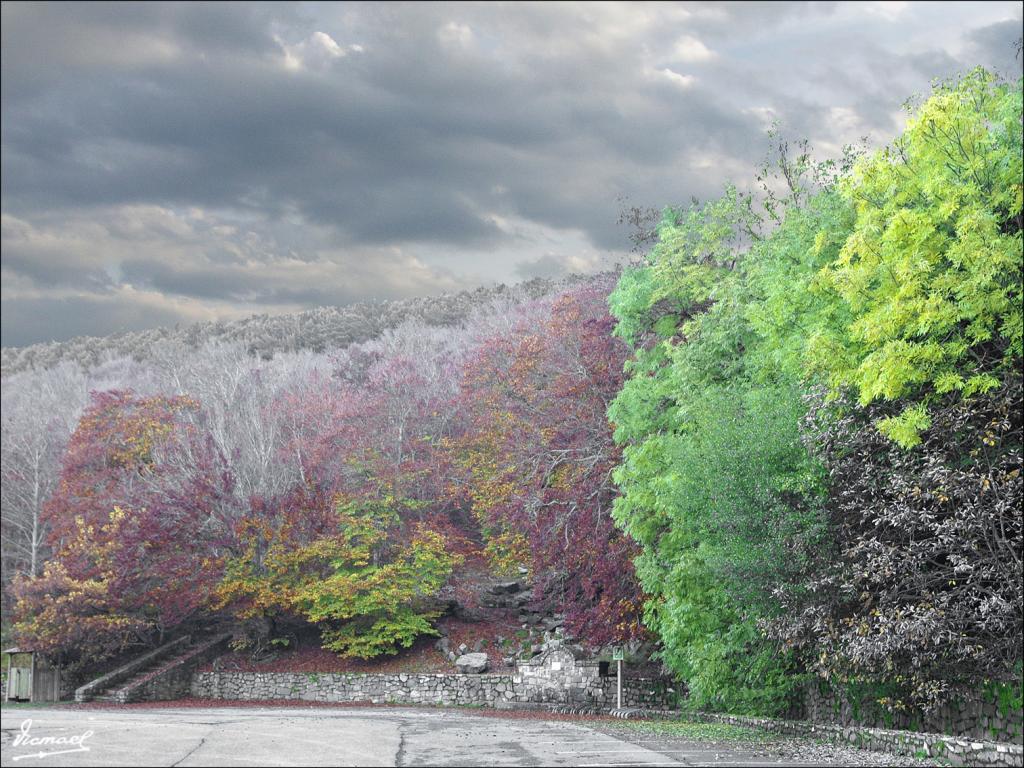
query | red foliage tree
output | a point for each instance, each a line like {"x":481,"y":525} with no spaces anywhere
{"x":375,"y":430}
{"x":137,"y":524}
{"x":538,"y":458}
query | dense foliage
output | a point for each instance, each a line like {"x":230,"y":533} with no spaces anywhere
{"x":920,"y":584}
{"x":776,"y":544}
{"x":717,"y":486}
{"x":931,"y":273}
{"x":538,"y":456}
{"x":367,"y":586}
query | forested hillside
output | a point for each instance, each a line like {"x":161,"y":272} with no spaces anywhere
{"x":786,"y":445}
{"x":147,"y":492}
{"x":319,"y":330}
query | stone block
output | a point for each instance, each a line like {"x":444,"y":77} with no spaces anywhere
{"x":472,"y":663}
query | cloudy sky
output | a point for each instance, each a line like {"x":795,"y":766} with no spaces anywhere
{"x":172,"y":163}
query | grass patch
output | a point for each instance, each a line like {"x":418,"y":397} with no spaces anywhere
{"x":697,"y":731}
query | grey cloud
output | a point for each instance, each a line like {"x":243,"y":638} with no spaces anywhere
{"x":546,"y":266}
{"x":189,"y":255}
{"x":311,"y":283}
{"x":392,"y":138}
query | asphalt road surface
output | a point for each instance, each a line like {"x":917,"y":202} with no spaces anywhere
{"x":356,"y":737}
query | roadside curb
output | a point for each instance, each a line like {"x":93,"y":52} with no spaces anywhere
{"x":958,"y":751}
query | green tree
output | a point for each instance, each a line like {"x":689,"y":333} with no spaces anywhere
{"x":931,"y":273}
{"x":717,"y":486}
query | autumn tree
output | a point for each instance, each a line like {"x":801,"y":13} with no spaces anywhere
{"x":135,"y":528}
{"x":538,"y":458}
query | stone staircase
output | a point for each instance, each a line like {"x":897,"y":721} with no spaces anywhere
{"x":159,"y":675}
{"x":121,"y":693}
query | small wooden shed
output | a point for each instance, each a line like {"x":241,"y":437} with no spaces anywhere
{"x":31,"y":676}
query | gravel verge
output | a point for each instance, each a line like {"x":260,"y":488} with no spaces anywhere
{"x":664,"y":735}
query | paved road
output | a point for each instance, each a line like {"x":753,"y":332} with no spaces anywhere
{"x":344,"y":737}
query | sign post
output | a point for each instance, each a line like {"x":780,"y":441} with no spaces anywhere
{"x":617,"y":655}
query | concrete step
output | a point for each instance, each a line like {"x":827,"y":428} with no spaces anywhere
{"x":159,"y":666}
{"x":99,"y":690}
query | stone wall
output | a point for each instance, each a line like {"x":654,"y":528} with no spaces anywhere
{"x":481,"y":690}
{"x":484,"y":690}
{"x":555,"y":676}
{"x":642,"y":692}
{"x":559,"y":676}
{"x":976,"y":719}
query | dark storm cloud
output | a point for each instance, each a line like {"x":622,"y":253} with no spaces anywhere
{"x":186,"y":161}
{"x":998,"y":44}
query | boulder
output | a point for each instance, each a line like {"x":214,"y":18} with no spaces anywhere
{"x":463,"y":648}
{"x":471,"y":663}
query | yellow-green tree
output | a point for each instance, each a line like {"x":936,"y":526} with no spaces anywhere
{"x":368,"y":584}
{"x":931,"y":272}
